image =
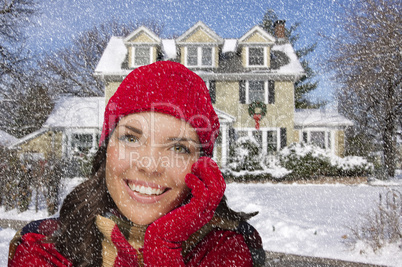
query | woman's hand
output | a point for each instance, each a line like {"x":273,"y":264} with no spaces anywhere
{"x":164,"y":237}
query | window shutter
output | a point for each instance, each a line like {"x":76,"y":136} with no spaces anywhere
{"x":283,"y":138}
{"x":242,"y":92}
{"x":305,"y":137}
{"x":271,"y":92}
{"x":212,"y":91}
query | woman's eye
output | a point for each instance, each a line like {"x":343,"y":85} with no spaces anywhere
{"x":129,"y":138}
{"x":181,"y":149}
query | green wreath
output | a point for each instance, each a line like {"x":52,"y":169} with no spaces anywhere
{"x":257,"y":105}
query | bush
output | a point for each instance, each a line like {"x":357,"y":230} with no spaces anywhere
{"x":247,"y":163}
{"x":380,"y":227}
{"x":305,"y":161}
{"x":309,"y":162}
{"x":245,"y":155}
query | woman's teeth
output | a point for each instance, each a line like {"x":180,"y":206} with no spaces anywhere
{"x":146,"y":190}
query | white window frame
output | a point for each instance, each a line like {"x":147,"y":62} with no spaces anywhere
{"x":199,"y":57}
{"x":265,"y":91}
{"x":67,"y":148}
{"x":329,"y":137}
{"x":264,"y":131}
{"x":265,"y":65}
{"x":133,"y":48}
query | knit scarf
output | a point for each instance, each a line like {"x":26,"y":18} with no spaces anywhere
{"x":135,"y":233}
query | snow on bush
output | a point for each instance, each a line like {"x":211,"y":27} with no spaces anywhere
{"x":303,"y":161}
{"x":247,"y":163}
{"x":306,"y":160}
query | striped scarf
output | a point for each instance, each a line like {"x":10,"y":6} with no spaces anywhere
{"x":134,"y":234}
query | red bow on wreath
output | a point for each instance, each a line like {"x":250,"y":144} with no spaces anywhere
{"x":257,"y":110}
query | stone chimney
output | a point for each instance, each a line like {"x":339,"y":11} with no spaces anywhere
{"x":279,"y":27}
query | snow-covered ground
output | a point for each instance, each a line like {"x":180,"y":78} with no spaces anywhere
{"x":299,"y":219}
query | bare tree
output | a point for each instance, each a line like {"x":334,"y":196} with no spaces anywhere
{"x":367,"y":60}
{"x":14,"y":57}
{"x":70,"y":70}
{"x":14,"y":16}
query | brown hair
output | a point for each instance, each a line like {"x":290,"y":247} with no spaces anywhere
{"x":78,"y":238}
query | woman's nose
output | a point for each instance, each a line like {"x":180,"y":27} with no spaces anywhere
{"x":150,"y":161}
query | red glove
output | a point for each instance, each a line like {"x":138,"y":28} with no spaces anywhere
{"x":164,"y":237}
{"x":126,"y":254}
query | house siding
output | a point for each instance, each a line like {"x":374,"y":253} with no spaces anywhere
{"x":45,"y":144}
{"x":340,"y":143}
{"x":110,"y":89}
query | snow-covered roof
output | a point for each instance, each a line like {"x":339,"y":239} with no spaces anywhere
{"x":205,"y":28}
{"x":28,"y":137}
{"x":113,"y":57}
{"x":169,"y":48}
{"x":147,"y":31}
{"x":308,"y":118}
{"x":7,"y":139}
{"x":77,"y":112}
{"x":257,"y":29}
{"x":229,"y":45}
{"x":294,"y":66}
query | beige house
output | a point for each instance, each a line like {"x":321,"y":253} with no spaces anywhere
{"x":257,"y":67}
{"x":73,"y":128}
{"x":252,"y":75}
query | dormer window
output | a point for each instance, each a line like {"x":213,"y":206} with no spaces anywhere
{"x":199,"y":56}
{"x":256,"y":57}
{"x":141,"y":56}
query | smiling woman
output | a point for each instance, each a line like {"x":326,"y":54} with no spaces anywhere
{"x":155,"y":196}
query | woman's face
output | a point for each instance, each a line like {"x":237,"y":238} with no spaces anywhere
{"x":148,"y":157}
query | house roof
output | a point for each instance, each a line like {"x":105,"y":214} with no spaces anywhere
{"x":285,"y":61}
{"x":153,"y":38}
{"x":257,"y":31}
{"x":230,"y":45}
{"x":294,"y":65}
{"x":202,"y":26}
{"x":28,"y":137}
{"x":7,"y":139}
{"x":169,"y":48}
{"x":112,"y":57}
{"x":310,"y":118}
{"x":77,"y":112}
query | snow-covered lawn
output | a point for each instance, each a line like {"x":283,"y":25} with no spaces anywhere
{"x":300,"y":219}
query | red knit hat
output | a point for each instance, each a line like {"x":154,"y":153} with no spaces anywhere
{"x":166,"y":87}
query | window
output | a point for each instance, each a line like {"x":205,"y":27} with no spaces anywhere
{"x":258,"y":137}
{"x":256,"y":91}
{"x":272,"y":141}
{"x":192,"y":56}
{"x":207,"y":56}
{"x":81,"y":142}
{"x":142,"y":56}
{"x":262,"y":91}
{"x":199,"y":56}
{"x":319,"y":138}
{"x":266,"y":138}
{"x":256,"y":56}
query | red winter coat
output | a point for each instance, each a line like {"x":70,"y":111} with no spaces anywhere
{"x":218,"y":248}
